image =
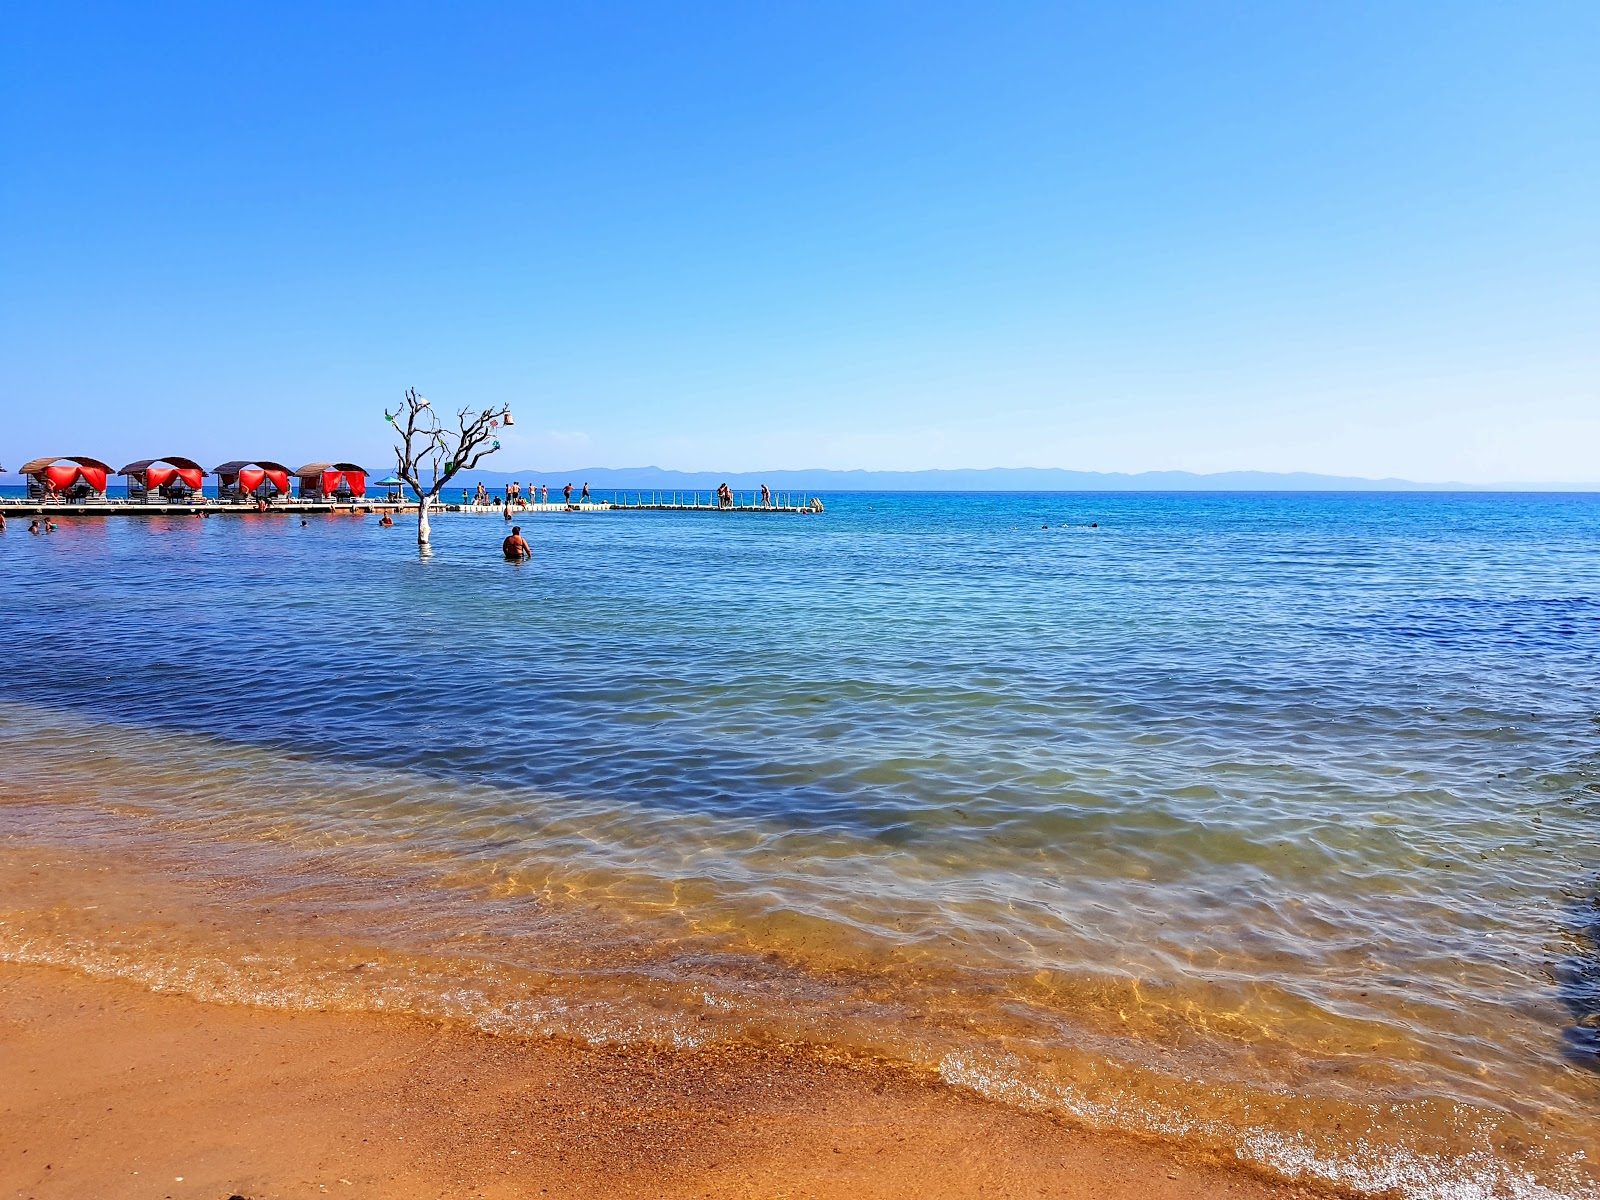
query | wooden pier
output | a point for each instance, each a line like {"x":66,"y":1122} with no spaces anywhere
{"x":15,"y":507}
{"x":619,"y":501}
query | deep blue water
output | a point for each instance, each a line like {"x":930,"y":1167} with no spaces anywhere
{"x":926,"y":619}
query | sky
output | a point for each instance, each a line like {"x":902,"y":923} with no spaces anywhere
{"x":1359,"y":239}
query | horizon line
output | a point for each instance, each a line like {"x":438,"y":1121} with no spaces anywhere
{"x":1494,"y":485}
{"x":1369,"y":482}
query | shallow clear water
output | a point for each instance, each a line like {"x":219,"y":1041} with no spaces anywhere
{"x":1265,"y":821}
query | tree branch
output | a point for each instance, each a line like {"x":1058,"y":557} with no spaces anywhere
{"x":423,"y":439}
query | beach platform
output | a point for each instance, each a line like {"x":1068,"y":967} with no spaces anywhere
{"x":14,"y":507}
{"x":784,"y":502}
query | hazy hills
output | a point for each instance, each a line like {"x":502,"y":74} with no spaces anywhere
{"x":997,"y":479}
{"x":994,"y":479}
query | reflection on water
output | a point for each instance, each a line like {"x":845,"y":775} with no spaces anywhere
{"x":1251,"y":820}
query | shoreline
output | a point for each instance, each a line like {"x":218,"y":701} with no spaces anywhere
{"x":112,"y":1089}
{"x":242,"y":944}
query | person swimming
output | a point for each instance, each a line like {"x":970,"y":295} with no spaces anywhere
{"x":387,"y":522}
{"x":515,"y":547}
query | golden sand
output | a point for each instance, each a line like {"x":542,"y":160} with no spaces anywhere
{"x":110,"y":1090}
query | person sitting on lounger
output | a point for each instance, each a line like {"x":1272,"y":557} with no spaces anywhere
{"x":515,"y":547}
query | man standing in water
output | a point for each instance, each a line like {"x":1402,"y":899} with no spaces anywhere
{"x":515,"y":547}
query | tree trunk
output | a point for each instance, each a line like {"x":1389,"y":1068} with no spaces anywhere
{"x":422,"y":520}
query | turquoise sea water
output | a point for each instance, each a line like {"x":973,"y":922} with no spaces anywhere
{"x":1263,"y":821}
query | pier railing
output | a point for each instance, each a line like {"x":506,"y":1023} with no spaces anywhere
{"x":615,"y":501}
{"x":657,"y":501}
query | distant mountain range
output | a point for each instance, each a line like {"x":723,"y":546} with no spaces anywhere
{"x":994,"y":479}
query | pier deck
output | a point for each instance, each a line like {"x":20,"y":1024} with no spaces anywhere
{"x":14,"y":507}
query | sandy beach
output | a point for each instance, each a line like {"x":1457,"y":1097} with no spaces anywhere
{"x":110,"y":1090}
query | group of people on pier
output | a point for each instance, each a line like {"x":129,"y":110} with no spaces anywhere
{"x":514,"y":499}
{"x":725,"y":496}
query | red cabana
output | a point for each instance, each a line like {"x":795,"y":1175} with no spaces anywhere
{"x":158,"y":480}
{"x":245,"y":480}
{"x":332,"y":481}
{"x":73,"y":478}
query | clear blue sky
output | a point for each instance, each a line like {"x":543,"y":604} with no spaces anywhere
{"x":1353,"y":238}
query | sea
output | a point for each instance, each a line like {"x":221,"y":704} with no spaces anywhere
{"x":1266,"y":824}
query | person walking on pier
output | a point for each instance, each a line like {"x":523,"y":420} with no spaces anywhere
{"x":544,"y":493}
{"x":584,"y":499}
{"x":567,"y":492}
{"x":766,"y":497}
{"x":515,"y":547}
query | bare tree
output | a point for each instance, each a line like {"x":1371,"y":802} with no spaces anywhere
{"x":427,"y":446}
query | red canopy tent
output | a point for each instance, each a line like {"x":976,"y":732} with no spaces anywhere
{"x":170,"y":478}
{"x":246,"y":480}
{"x":73,"y":478}
{"x":332,"y":481}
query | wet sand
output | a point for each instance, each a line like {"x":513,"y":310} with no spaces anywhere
{"x":111,"y":1090}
